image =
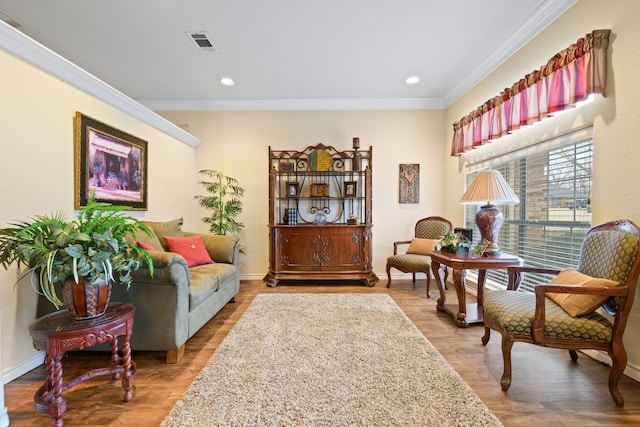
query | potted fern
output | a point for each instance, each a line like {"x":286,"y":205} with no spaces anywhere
{"x":83,"y":256}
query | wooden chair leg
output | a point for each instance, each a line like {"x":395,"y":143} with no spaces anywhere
{"x":428,"y":284}
{"x":388,"y":275}
{"x":507,"y":344}
{"x":414,"y":278}
{"x":486,"y":336}
{"x":619,"y":362}
{"x":574,"y":355}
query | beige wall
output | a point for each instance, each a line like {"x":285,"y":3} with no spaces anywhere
{"x":616,"y":174}
{"x":36,"y":177}
{"x":36,"y":173}
{"x":236,"y":143}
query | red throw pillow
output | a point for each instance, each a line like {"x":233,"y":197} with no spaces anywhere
{"x":191,"y":248}
{"x":143,"y":245}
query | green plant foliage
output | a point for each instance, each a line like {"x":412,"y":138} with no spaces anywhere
{"x":224,"y":202}
{"x":93,"y":246}
{"x":451,"y":242}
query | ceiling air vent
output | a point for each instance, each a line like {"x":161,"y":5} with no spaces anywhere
{"x":202,"y":41}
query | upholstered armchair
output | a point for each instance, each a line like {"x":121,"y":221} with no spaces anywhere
{"x":586,"y":308}
{"x":428,"y":232}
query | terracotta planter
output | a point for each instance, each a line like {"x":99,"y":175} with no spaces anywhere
{"x":86,"y":300}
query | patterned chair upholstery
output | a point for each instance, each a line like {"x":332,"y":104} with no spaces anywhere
{"x":609,"y":251}
{"x":432,"y":227}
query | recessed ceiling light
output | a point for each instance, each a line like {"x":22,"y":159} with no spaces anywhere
{"x":412,"y":80}
{"x":227,"y":81}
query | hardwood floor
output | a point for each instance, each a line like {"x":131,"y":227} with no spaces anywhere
{"x":547,"y":390}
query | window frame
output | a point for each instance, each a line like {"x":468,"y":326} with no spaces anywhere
{"x":554,"y":241}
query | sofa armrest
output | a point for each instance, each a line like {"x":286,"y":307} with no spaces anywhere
{"x":168,"y":267}
{"x":161,"y":301}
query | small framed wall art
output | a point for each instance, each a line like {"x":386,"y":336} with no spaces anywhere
{"x":409,"y":183}
{"x":292,"y":189}
{"x":350,"y":188}
{"x":286,"y":166}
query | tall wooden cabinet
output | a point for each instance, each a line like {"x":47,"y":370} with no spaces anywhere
{"x":320,"y":215}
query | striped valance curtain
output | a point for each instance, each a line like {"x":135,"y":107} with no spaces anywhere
{"x":568,"y":77}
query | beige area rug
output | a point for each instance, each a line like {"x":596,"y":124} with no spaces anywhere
{"x":328,"y":360}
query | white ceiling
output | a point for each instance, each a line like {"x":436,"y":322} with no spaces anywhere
{"x":331,"y":52}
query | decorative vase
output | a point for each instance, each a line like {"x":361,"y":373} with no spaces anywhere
{"x":86,"y":300}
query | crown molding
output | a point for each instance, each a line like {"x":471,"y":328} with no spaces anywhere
{"x":298,"y":105}
{"x":539,"y":20}
{"x":23,"y":47}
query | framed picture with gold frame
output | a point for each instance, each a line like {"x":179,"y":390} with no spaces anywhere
{"x":110,"y":163}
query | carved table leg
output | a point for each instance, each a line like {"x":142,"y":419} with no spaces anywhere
{"x":115,"y":359}
{"x":458,"y":281}
{"x":482,"y":278}
{"x":129,"y":370}
{"x":435,"y":269}
{"x":48,"y":399}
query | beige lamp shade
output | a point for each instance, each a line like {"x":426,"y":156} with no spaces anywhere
{"x":489,"y":187}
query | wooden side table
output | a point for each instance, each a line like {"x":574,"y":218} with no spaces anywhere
{"x":464,"y":314}
{"x":58,"y":332}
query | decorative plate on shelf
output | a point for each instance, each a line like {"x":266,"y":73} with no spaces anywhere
{"x":320,"y":160}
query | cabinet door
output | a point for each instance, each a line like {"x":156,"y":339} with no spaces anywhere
{"x":298,"y":249}
{"x":344,"y":251}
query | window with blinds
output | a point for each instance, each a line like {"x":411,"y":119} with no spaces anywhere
{"x":548,"y":226}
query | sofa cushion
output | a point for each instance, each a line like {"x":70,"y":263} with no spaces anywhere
{"x":221,"y":248}
{"x":205,"y":280}
{"x":579,"y":304}
{"x":143,"y":245}
{"x":151,"y":241}
{"x":166,"y":228}
{"x":190,"y":247}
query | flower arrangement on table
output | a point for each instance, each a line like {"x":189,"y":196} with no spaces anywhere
{"x":454,"y":242}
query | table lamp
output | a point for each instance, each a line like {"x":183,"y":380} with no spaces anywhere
{"x":489,"y":187}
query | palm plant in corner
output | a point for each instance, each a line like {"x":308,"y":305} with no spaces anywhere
{"x":224,"y":202}
{"x":83,"y":256}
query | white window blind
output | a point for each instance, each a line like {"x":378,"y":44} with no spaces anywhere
{"x":548,"y":226}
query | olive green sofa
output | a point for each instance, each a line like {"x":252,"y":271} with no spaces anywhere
{"x":174,"y":303}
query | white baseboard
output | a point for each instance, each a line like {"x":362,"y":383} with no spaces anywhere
{"x":13,"y":372}
{"x":4,"y":417}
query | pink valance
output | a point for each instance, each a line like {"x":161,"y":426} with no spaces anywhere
{"x":568,"y":77}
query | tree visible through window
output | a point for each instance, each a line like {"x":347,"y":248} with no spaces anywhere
{"x":547,"y":227}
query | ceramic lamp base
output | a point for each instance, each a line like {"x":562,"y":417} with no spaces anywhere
{"x":489,"y":219}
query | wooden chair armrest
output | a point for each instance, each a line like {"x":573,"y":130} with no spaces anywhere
{"x":399,"y":242}
{"x":515,"y":274}
{"x":541,"y":293}
{"x":525,"y":269}
{"x":614,"y":291}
